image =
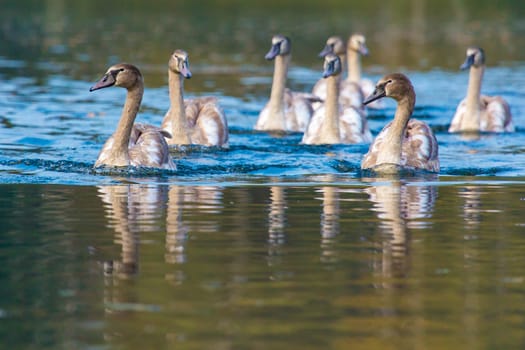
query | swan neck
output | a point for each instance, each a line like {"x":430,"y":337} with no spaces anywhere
{"x":394,"y":138}
{"x":279,"y":82}
{"x":354,"y":66}
{"x":473,"y":104}
{"x":177,"y":110}
{"x":332,"y":108}
{"x":127,"y":118}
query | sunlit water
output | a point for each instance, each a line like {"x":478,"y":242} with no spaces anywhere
{"x":266,"y":244}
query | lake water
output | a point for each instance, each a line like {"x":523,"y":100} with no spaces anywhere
{"x":268,"y":244}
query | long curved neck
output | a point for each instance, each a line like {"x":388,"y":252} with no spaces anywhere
{"x":125,"y":124}
{"x":177,"y":114}
{"x":276,"y":103}
{"x":354,"y":66}
{"x":393,"y":141}
{"x":342,"y":57}
{"x":331,"y":124}
{"x":473,"y":108}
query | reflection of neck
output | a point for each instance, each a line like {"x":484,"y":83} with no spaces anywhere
{"x":175,"y":229}
{"x":391,"y":153}
{"x":122,"y":134}
{"x":276,"y":103}
{"x":354,"y":66}
{"x":390,"y":203}
{"x":473,"y":109}
{"x":118,"y":208}
{"x":329,"y":220}
{"x":277,"y":207}
{"x":179,"y":126}
{"x":330,"y":130}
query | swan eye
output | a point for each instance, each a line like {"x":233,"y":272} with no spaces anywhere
{"x":121,"y":70}
{"x":389,"y":81}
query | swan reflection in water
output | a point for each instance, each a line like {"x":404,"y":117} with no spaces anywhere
{"x":472,"y":206}
{"x":131,"y":210}
{"x":400,"y":206}
{"x":135,"y":209}
{"x":276,"y":224}
{"x":184,"y":202}
{"x":329,"y":221}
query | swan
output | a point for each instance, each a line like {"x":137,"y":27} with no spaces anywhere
{"x":355,"y":49}
{"x":286,"y":110}
{"x":333,"y":123}
{"x":199,"y":121}
{"x":334,"y":45}
{"x":479,"y":112}
{"x":403,"y":143}
{"x":350,"y":91}
{"x":132,"y":144}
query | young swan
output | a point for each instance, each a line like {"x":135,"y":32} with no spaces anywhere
{"x":333,"y":123}
{"x":199,"y":121}
{"x":286,"y":110}
{"x":355,"y":49}
{"x":350,"y":91}
{"x":404,"y":143}
{"x":336,"y":46}
{"x":479,"y":112}
{"x":132,"y":144}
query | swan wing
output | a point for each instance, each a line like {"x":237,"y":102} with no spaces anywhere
{"x":420,"y":147}
{"x":149,"y":148}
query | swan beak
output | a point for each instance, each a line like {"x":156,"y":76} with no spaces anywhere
{"x":274,"y":51}
{"x":329,"y":70}
{"x":106,"y":81}
{"x":378,"y":93}
{"x":326,"y":50}
{"x":468,"y":62}
{"x":185,"y":72}
{"x":363,"y":50}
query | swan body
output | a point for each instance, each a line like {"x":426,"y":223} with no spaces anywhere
{"x":286,"y":110}
{"x":332,"y":122}
{"x":199,"y":121}
{"x":132,"y":144}
{"x":404,"y":143}
{"x":479,"y":112}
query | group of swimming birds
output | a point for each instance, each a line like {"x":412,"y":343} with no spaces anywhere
{"x":333,"y":113}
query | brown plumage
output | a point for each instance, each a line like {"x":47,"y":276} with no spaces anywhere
{"x":333,"y":122}
{"x":404,"y":143}
{"x":132,"y":144}
{"x":286,"y":110}
{"x":479,"y":112}
{"x":198,"y":121}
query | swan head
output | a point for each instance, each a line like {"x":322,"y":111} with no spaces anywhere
{"x":331,"y":66}
{"x":123,"y":75}
{"x":281,"y":45}
{"x":179,"y":63}
{"x":357,"y":42}
{"x":475,"y":58}
{"x":334,"y":45}
{"x":396,"y":86}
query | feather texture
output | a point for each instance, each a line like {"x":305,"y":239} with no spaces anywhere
{"x":132,"y":144}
